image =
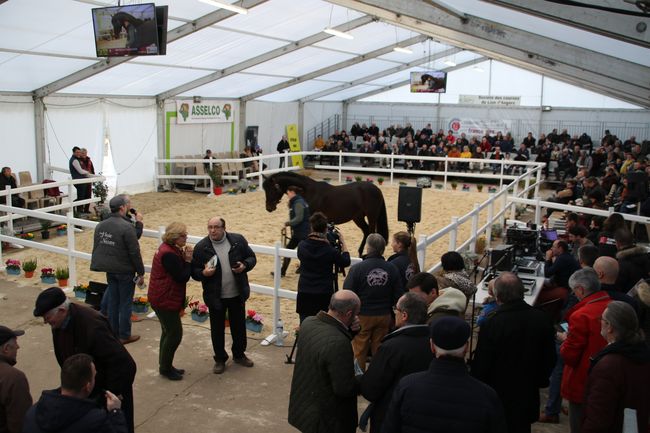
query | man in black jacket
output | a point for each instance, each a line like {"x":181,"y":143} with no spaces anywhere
{"x":80,"y":329}
{"x":404,"y":351}
{"x":283,"y":146}
{"x":515,"y":353}
{"x":445,"y":398}
{"x":7,"y":179}
{"x":69,"y":409}
{"x":221,"y":262}
{"x":633,"y":261}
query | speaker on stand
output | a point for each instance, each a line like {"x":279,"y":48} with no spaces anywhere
{"x":409,"y":206}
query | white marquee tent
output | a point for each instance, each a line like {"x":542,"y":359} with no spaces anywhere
{"x":277,"y":66}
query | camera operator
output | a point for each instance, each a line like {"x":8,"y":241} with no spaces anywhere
{"x":321,"y":255}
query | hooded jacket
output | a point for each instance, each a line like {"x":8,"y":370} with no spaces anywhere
{"x":56,"y":413}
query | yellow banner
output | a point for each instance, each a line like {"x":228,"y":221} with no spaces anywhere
{"x":294,"y":144}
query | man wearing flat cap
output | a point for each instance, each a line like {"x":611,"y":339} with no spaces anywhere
{"x":80,"y":329}
{"x":445,"y":398}
{"x":116,"y":251}
{"x":15,"y":398}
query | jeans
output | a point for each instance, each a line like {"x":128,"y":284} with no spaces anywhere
{"x":554,"y":402}
{"x":170,"y":338}
{"x":121,"y":288}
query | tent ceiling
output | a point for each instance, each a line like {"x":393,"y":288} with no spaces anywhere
{"x":278,"y":51}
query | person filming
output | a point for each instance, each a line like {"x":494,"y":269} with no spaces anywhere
{"x":321,"y":256}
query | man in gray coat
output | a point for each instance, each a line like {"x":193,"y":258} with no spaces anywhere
{"x":116,"y":251}
{"x":323,"y":388}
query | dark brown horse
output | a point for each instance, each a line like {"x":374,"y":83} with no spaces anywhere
{"x":353,"y":201}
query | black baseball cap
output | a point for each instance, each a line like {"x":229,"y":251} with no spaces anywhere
{"x":7,"y":334}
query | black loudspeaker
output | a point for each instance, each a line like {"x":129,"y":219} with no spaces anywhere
{"x":95,"y":294}
{"x":409,"y":205}
{"x":501,"y":257}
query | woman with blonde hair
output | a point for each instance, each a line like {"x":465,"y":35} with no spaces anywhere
{"x":170,"y":271}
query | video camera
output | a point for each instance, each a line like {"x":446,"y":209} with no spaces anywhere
{"x":333,"y":236}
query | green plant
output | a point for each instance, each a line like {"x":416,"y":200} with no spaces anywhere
{"x":454,"y":185}
{"x":100,"y":189}
{"x":479,"y":187}
{"x":358,"y":178}
{"x":216,"y":173}
{"x":380,"y":180}
{"x":402,"y":183}
{"x":497,"y":230}
{"x":30,"y":265}
{"x":45,"y":225}
{"x":80,"y":288}
{"x":62,"y":273}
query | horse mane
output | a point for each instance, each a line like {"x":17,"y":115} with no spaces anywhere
{"x":292,"y":178}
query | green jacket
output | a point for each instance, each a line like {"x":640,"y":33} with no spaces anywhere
{"x":323,"y":388}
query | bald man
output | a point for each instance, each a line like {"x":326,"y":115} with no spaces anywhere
{"x":323,"y":388}
{"x":221,"y":262}
{"x":607,"y":270}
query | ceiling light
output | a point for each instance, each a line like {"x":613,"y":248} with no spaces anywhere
{"x":403,"y":50}
{"x":449,"y":62}
{"x":337,"y":33}
{"x":224,"y":5}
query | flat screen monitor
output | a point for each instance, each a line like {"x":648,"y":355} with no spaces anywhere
{"x":429,"y":82}
{"x":549,"y":235}
{"x":129,"y":30}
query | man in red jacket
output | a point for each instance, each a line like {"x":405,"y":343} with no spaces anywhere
{"x":582,"y":341}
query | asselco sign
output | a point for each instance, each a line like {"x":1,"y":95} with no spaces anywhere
{"x":206,"y":110}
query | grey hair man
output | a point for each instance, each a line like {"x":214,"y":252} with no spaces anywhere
{"x":404,"y":351}
{"x":323,"y":387}
{"x":461,"y":403}
{"x":379,"y":285}
{"x":515,"y":353}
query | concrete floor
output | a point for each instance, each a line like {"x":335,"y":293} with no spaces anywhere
{"x":237,"y":401}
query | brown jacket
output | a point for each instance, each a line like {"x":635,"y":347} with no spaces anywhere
{"x":15,"y":398}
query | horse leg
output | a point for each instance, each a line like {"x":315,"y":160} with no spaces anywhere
{"x":360,"y":221}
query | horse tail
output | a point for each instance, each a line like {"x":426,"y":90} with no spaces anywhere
{"x":382,"y":221}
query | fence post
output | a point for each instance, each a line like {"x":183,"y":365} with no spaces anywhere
{"x":276,"y":294}
{"x":392,"y":167}
{"x":474,"y":235}
{"x":72,"y":262}
{"x":538,"y":212}
{"x":340,"y":165}
{"x":10,"y":222}
{"x":70,"y":201}
{"x":501,"y":176}
{"x":538,"y":180}
{"x":444,"y":182}
{"x":161,"y":232}
{"x":490,"y":219}
{"x":260,"y":176}
{"x":453,"y":234}
{"x":504,"y":204}
{"x":515,"y":190}
{"x":422,"y":251}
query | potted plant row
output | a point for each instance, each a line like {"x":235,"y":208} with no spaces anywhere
{"x":199,"y":311}
{"x":216,"y":173}
{"x":12,"y":266}
{"x":254,"y":321}
{"x":45,"y":229}
{"x":62,"y":275}
{"x":29,"y":266}
{"x":47,"y":276}
{"x":80,"y":291}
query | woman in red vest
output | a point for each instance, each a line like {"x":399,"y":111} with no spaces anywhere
{"x":170,"y":272}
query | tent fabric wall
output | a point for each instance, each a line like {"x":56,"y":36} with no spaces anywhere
{"x":272,"y":119}
{"x":73,"y":122}
{"x":132,"y":132}
{"x":17,"y":126}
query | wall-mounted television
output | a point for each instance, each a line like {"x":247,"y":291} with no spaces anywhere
{"x":429,"y":82}
{"x":130,"y":30}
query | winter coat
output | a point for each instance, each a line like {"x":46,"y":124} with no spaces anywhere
{"x":515,"y":355}
{"x":404,"y":351}
{"x":377,"y":283}
{"x":323,"y":387}
{"x":634,"y":265}
{"x":56,"y":413}
{"x":583,"y":341}
{"x":239,"y":252}
{"x":15,"y":398}
{"x":116,"y":248}
{"x":619,"y":379}
{"x":169,"y":275}
{"x":402,"y":262}
{"x":444,"y":399}
{"x":89,"y":332}
{"x":299,"y":227}
{"x":317,"y":261}
{"x":458,"y":280}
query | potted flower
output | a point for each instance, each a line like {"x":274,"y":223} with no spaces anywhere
{"x":216,"y":173}
{"x":100,"y":190}
{"x":200,"y":312}
{"x":479,"y":187}
{"x":252,"y":187}
{"x":497,"y":230}
{"x":232,"y":191}
{"x":186,"y":303}
{"x":369,"y":180}
{"x":47,"y":276}
{"x":29,"y":266}
{"x":61,"y":229}
{"x":348,"y":179}
{"x":357,"y":178}
{"x":28,"y":236}
{"x":62,"y":275}
{"x":492,"y":189}
{"x":80,"y":291}
{"x":454,"y":185}
{"x":380,"y":180}
{"x":402,"y":183}
{"x":439,"y":186}
{"x":254,"y":321}
{"x":13,"y":267}
{"x":45,"y":229}
{"x":140,"y":304}
{"x":465,"y":187}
